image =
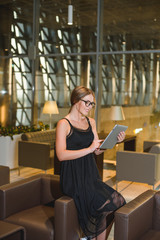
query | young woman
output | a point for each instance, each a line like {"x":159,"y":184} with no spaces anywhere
{"x":76,"y":142}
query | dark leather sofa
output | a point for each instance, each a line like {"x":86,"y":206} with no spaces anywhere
{"x":139,"y":219}
{"x":37,"y":205}
{"x":36,"y":150}
{"x":10,"y":231}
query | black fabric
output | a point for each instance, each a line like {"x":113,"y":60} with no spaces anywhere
{"x":50,"y":204}
{"x":80,"y":179}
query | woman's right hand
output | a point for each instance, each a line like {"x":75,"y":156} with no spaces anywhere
{"x":95,"y":145}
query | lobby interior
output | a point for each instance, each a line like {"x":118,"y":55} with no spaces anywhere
{"x":111,"y":47}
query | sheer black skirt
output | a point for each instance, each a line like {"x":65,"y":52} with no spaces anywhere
{"x":95,"y":201}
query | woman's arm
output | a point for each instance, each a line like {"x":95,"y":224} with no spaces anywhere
{"x":93,"y":124}
{"x":63,"y":154}
{"x":120,"y":137}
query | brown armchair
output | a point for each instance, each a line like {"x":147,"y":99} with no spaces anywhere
{"x":139,"y":219}
{"x":138,"y":167}
{"x":37,"y":205}
{"x":36,"y":150}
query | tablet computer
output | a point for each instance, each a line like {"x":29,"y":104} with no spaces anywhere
{"x":111,"y":140}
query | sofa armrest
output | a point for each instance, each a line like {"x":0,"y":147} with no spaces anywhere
{"x":66,"y":218}
{"x":135,"y":218}
{"x":34,"y":154}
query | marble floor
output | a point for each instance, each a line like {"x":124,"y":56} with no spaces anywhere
{"x":129,"y":190}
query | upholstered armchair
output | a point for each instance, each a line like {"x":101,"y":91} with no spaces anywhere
{"x":37,"y":205}
{"x":138,"y":167}
{"x":139,"y":219}
{"x":36,"y":150}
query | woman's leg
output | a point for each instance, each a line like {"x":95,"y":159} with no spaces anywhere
{"x":104,"y":235}
{"x":108,"y":230}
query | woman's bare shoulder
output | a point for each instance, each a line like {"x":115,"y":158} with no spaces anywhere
{"x":63,"y":122}
{"x":92,"y":121}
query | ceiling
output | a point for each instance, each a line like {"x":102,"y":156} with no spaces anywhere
{"x":139,"y":19}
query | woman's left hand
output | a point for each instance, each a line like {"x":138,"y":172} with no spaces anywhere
{"x":121,"y":136}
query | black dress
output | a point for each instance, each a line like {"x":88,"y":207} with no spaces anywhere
{"x":95,"y":201}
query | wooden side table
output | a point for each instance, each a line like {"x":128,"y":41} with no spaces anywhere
{"x":130,"y":143}
{"x":9,"y":231}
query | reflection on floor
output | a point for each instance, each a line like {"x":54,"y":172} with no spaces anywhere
{"x":26,"y":172}
{"x":129,"y":190}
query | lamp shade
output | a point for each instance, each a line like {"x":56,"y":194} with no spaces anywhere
{"x":50,"y":107}
{"x":117,"y":113}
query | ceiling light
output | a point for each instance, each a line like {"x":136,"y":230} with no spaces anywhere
{"x":70,"y":14}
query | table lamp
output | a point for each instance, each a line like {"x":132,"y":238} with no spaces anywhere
{"x":50,"y":107}
{"x":116,"y":113}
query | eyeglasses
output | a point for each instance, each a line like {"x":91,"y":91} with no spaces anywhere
{"x":88,"y":103}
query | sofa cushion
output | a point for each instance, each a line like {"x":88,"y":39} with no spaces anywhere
{"x":151,"y":235}
{"x":38,"y":222}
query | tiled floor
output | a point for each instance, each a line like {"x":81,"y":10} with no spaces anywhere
{"x":129,"y":190}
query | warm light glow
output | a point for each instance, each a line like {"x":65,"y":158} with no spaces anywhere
{"x":3,"y":114}
{"x":50,"y":107}
{"x":137,"y":130}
